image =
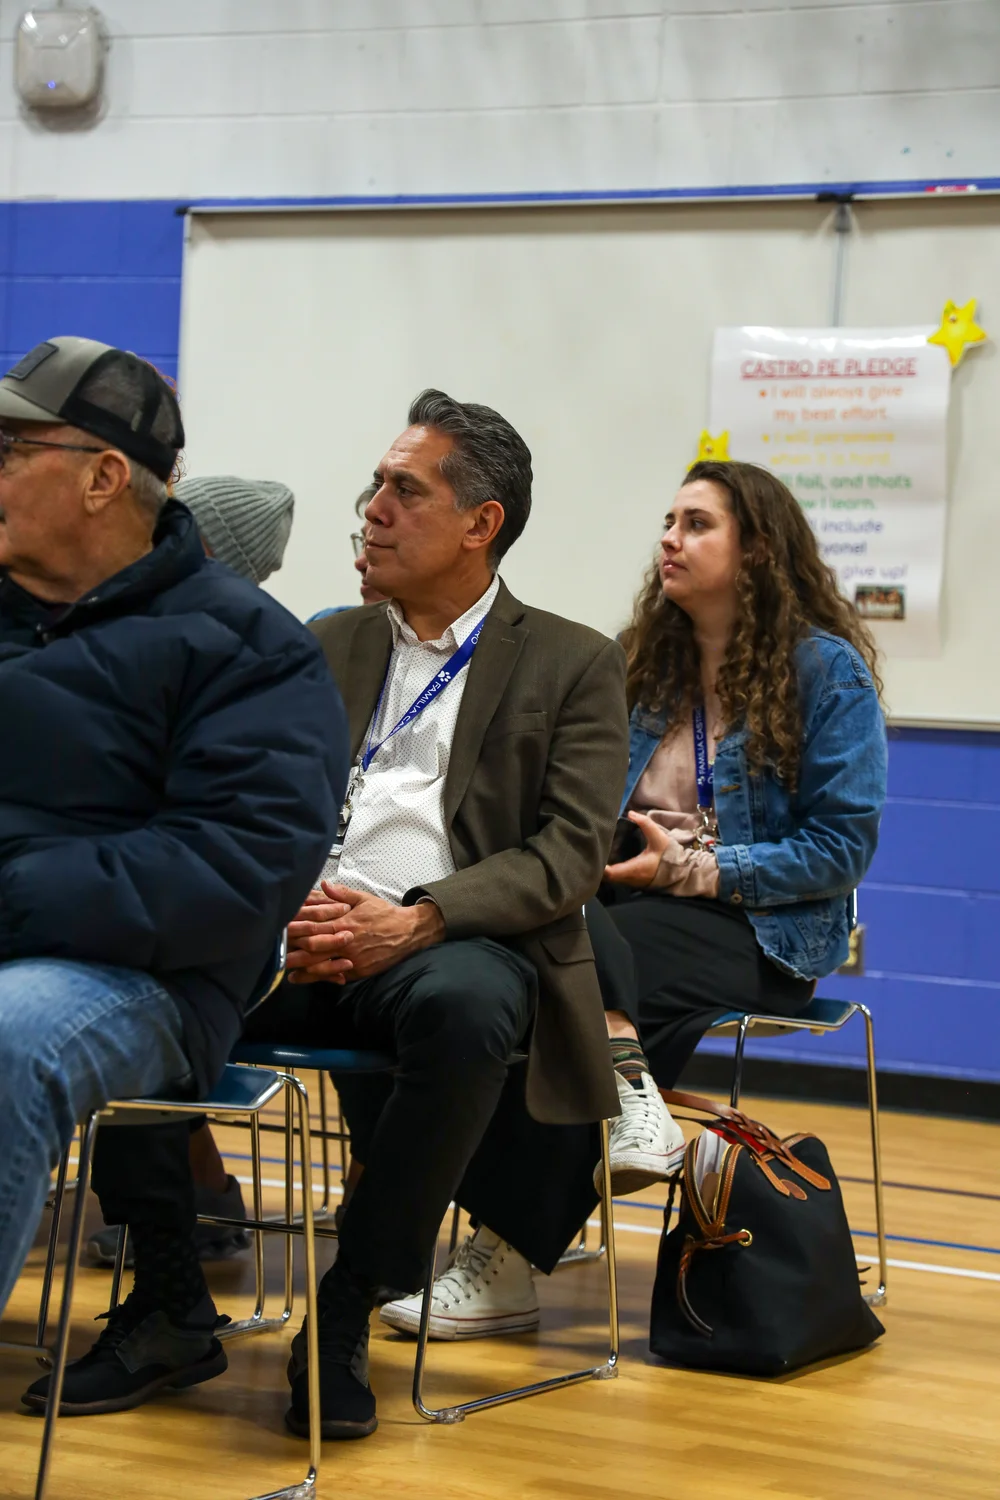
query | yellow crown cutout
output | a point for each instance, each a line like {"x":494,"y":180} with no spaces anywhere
{"x":716,"y":448}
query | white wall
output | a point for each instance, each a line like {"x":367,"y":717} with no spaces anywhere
{"x":329,"y":97}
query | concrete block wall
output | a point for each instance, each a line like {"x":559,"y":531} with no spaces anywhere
{"x":210,"y":98}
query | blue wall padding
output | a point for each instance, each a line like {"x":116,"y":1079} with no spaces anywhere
{"x":109,"y":271}
{"x":931,"y":908}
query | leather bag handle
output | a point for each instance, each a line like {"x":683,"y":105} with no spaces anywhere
{"x":705,"y":1106}
{"x":751,"y":1133}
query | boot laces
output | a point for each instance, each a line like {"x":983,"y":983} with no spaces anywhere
{"x":122,"y":1321}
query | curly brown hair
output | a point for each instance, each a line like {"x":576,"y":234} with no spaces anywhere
{"x":784,"y":589}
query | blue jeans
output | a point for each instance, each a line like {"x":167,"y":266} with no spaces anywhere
{"x":72,"y":1036}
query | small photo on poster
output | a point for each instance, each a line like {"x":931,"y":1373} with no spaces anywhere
{"x":874,"y":603}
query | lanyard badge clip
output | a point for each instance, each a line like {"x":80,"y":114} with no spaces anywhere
{"x":707,"y":835}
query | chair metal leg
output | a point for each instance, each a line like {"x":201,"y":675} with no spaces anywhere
{"x":306,"y":1487}
{"x":876,"y":1298}
{"x":58,"y":1199}
{"x":312,"y":1311}
{"x":579,"y":1254}
{"x":344,"y":1142}
{"x":325,"y":1208}
{"x":453,"y":1237}
{"x":257,"y":1322}
{"x":610,"y":1370}
{"x":119,"y":1270}
{"x":61,"y":1346}
{"x":741,"y":1042}
{"x":605,"y":1371}
{"x":290,"y":1198}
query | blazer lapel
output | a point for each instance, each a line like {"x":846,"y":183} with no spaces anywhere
{"x":364,"y":673}
{"x":492,"y":663}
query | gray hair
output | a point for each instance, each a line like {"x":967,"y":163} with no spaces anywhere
{"x":490,"y":461}
{"x":150,"y":492}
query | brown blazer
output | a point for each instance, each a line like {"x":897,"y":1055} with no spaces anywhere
{"x":534,"y":782}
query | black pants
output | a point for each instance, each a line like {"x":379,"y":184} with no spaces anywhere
{"x":690,"y":961}
{"x":450,"y":1122}
{"x":142,"y":1174}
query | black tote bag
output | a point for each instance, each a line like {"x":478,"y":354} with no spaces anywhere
{"x":761,"y":1278}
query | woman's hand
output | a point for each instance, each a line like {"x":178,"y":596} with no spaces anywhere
{"x":641,"y":871}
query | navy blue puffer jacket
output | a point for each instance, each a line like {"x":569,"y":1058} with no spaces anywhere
{"x":173,"y":755}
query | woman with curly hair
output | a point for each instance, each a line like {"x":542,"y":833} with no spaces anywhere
{"x":756,"y":778}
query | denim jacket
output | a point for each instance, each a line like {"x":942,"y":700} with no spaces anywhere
{"x":793,"y":860}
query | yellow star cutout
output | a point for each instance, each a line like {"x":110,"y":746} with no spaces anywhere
{"x":716,"y":448}
{"x":958,"y":330}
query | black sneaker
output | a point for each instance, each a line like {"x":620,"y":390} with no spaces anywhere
{"x":139,"y":1353}
{"x":211,"y":1240}
{"x":347,"y":1402}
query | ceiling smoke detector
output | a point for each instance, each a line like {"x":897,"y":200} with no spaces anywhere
{"x":59,"y":58}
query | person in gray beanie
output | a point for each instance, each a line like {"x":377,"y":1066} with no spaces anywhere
{"x":244,"y":523}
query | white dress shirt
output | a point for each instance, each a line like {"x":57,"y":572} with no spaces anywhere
{"x":396,"y":837}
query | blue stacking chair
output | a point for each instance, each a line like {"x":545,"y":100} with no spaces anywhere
{"x":240,"y":1095}
{"x":338,"y":1061}
{"x":820,"y":1017}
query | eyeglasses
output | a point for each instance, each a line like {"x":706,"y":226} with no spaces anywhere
{"x":7,"y":441}
{"x":358,"y":543}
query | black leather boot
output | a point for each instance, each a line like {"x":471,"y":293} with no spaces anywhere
{"x":139,"y":1353}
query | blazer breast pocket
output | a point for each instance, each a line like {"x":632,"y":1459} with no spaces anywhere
{"x":535,"y":722}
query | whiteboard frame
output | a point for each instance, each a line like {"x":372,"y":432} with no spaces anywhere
{"x":831,"y":192}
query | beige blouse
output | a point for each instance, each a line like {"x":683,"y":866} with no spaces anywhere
{"x":667,"y":791}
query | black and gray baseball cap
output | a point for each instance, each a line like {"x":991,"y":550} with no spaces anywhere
{"x":108,"y":392}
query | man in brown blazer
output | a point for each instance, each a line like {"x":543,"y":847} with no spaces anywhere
{"x":490,"y":746}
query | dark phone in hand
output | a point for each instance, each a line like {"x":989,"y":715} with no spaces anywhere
{"x":626,"y":843}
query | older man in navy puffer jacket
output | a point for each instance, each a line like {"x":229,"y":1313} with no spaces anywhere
{"x":173,"y":760}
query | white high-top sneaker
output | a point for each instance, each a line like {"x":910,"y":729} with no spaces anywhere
{"x":487,"y":1288}
{"x":647,"y":1144}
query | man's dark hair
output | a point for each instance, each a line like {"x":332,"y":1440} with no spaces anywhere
{"x":489,"y":461}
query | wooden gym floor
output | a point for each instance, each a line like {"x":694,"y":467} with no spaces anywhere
{"x":914,"y":1417}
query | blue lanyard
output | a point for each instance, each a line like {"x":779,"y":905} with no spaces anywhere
{"x":703,"y":769}
{"x":437,"y":685}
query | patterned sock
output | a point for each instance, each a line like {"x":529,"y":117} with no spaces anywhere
{"x":630,"y":1060}
{"x":168,"y":1273}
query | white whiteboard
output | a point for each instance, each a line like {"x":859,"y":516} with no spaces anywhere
{"x":305,"y":335}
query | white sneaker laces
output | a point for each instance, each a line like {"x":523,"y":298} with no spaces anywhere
{"x":638,"y":1126}
{"x":458,"y":1280}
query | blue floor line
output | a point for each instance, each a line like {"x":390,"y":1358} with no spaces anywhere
{"x":276,"y":1161}
{"x":657,"y":1208}
{"x":912,"y":1239}
{"x":927,"y":1187}
{"x":903,"y":1239}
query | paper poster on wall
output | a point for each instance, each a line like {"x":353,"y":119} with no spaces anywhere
{"x":853,"y":421}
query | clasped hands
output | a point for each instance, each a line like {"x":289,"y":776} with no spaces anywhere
{"x":341,"y":934}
